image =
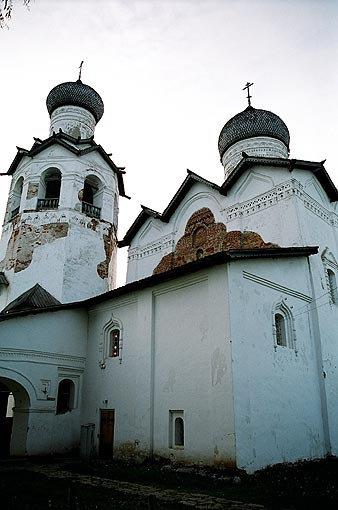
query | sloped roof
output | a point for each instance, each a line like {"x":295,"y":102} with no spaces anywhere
{"x":34,"y":298}
{"x":146,"y":212}
{"x":73,"y":145}
{"x":317,"y":168}
{"x":156,"y":279}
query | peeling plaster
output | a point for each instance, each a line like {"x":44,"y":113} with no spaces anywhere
{"x":109,"y":245}
{"x":32,"y":190}
{"x":25,"y":238}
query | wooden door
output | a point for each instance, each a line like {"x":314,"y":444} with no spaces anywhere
{"x":107,"y":421}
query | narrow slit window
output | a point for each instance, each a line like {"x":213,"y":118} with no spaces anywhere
{"x":176,"y":429}
{"x":280,"y":330}
{"x":179,"y":432}
{"x":332,"y":286}
{"x":114,"y":343}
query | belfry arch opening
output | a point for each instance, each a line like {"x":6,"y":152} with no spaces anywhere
{"x":16,"y":198}
{"x":49,"y":190}
{"x":92,"y":196}
{"x":14,"y":406}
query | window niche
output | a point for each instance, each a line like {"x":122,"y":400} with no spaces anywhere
{"x":112,"y":341}
{"x":283,"y":327}
{"x":65,"y":397}
{"x":331,"y":271}
{"x":176,"y":429}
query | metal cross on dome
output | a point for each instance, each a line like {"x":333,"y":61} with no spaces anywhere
{"x":80,"y":67}
{"x":247,"y":86}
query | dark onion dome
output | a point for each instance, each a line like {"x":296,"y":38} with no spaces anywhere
{"x":75,"y":93}
{"x":249,"y":123}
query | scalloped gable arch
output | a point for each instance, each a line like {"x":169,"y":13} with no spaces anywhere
{"x":319,"y":193}
{"x":253,"y":176}
{"x":183,"y":216}
{"x":146,"y":235}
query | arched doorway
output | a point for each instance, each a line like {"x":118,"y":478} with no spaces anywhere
{"x":14,"y":406}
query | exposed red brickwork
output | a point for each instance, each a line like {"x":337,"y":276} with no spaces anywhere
{"x":203,"y":236}
{"x":25,"y":238}
{"x":109,"y":247}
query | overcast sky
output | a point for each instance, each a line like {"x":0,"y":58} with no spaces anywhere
{"x":171,"y":73}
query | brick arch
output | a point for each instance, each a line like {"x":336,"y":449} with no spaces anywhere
{"x":203,"y":237}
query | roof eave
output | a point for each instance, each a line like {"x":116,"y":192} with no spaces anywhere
{"x":192,"y":267}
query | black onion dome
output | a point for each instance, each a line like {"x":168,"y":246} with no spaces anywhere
{"x":249,"y":123}
{"x":75,"y":93}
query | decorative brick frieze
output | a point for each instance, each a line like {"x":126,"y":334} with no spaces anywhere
{"x":203,"y":237}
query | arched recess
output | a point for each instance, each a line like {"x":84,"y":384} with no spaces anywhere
{"x":66,"y":396}
{"x":49,"y":189}
{"x":113,"y":341}
{"x":283,"y":326}
{"x":16,"y":198}
{"x":252,"y":184}
{"x":14,"y":413}
{"x":198,"y":201}
{"x":331,"y":275}
{"x":92,"y":196}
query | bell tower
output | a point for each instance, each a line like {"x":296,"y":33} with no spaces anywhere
{"x":60,"y":227}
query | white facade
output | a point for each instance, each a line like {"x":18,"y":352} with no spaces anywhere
{"x":222,"y":347}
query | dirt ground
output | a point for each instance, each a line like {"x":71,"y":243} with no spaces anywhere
{"x":71,"y":484}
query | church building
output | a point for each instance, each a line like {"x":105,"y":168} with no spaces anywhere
{"x":222,"y":347}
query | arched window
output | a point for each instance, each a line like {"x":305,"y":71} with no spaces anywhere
{"x":113,"y":341}
{"x":179,"y":432}
{"x":330,"y":269}
{"x":176,"y":429}
{"x":49,"y":191}
{"x":65,"y":398}
{"x":92,"y":197}
{"x":280,"y":330}
{"x":283,"y":326}
{"x":332,"y":286}
{"x":16,"y":198}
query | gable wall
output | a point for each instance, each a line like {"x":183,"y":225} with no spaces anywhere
{"x":288,"y":209}
{"x":278,"y":391}
{"x":176,"y":356}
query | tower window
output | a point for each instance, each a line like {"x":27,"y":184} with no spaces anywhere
{"x":16,"y":198}
{"x":92,"y":197}
{"x":50,"y":188}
